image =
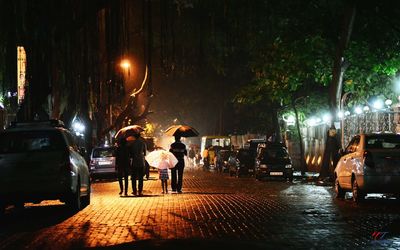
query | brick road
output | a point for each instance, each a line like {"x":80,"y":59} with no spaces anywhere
{"x":214,"y":210}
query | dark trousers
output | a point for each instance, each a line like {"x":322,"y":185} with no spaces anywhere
{"x":123,"y":174}
{"x":137,"y":177}
{"x":177,"y":176}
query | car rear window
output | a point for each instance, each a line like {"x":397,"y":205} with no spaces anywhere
{"x":383,"y":142}
{"x":103,"y":152}
{"x":26,"y":141}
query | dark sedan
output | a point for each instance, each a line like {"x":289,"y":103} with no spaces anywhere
{"x":273,"y":161}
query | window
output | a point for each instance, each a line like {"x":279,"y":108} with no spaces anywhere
{"x":27,"y":141}
{"x":103,"y":152}
{"x":382,"y":142}
{"x":353,"y":145}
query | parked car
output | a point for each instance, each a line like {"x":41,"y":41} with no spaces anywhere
{"x":369,"y":164}
{"x":41,"y":161}
{"x":102,"y":162}
{"x":246,"y":161}
{"x":273,"y":160}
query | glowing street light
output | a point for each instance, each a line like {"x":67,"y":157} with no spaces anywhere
{"x":358,"y":110}
{"x":388,"y":102}
{"x":327,"y":118}
{"x":378,"y":104}
{"x":125,"y":64}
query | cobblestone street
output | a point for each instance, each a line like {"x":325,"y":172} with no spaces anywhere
{"x":214,"y":210}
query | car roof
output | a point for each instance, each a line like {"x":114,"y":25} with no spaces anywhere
{"x":379,"y":134}
{"x":36,"y":126}
{"x":105,"y":147}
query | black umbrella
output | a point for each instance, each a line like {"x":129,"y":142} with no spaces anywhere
{"x":182,"y":131}
{"x":129,"y":131}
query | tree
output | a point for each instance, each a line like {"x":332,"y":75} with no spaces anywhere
{"x":339,"y":67}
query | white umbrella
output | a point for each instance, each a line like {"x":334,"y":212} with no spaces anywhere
{"x":161,"y":159}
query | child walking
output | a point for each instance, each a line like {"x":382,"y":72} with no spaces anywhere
{"x":163,"y":166}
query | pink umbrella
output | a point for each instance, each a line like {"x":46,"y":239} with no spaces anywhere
{"x":161,"y":159}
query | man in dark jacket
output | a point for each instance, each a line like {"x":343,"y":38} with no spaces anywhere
{"x":138,"y":151}
{"x":179,"y":150}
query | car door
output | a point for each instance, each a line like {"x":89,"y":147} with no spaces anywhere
{"x":341,"y":168}
{"x":80,"y":166}
{"x":351,"y":161}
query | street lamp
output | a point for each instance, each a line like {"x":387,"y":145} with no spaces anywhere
{"x":125,"y":64}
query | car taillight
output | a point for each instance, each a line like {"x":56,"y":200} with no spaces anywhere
{"x":369,"y":159}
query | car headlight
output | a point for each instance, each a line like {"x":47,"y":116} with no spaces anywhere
{"x":288,"y":166}
{"x":263,"y":166}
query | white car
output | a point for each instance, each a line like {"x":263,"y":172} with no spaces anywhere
{"x":369,"y":164}
{"x":41,"y":161}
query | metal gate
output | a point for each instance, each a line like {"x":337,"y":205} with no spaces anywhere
{"x":371,"y":122}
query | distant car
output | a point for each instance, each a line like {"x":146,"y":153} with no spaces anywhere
{"x":369,"y":164}
{"x":102,"y":162}
{"x":41,"y":161}
{"x":246,"y":161}
{"x":274,"y":161}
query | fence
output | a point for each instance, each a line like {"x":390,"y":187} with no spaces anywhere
{"x":369,"y":122}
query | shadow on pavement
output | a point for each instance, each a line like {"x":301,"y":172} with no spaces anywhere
{"x":33,"y":218}
{"x":192,"y":244}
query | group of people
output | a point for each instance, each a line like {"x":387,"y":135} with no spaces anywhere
{"x":130,"y":159}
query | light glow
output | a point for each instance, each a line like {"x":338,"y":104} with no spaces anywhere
{"x":21,"y":71}
{"x":388,"y":102}
{"x":327,"y":118}
{"x":125,"y":64}
{"x":358,"y":110}
{"x":378,"y":104}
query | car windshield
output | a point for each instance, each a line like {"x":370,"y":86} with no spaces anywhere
{"x":382,"y":142}
{"x":26,"y":141}
{"x":103,"y":152}
{"x":273,"y":155}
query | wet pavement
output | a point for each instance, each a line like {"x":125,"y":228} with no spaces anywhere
{"x":214,"y":211}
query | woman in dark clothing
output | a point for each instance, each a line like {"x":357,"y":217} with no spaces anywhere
{"x":122,"y":164}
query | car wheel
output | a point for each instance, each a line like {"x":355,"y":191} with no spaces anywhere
{"x":290,"y":178}
{"x":75,"y":202}
{"x":86,"y":199}
{"x":340,"y":193}
{"x":357,"y":194}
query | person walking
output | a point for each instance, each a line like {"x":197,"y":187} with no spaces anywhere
{"x":138,"y":152}
{"x":191,"y":156}
{"x":206,"y":163}
{"x":179,"y":150}
{"x":122,"y":165}
{"x":163,"y":167}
